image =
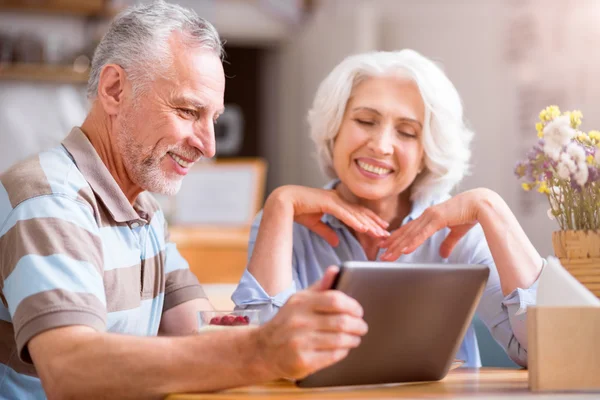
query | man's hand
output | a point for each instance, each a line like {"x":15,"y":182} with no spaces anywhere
{"x":310,"y":204}
{"x":316,"y":328}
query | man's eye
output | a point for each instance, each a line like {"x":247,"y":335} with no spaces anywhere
{"x":187,"y":112}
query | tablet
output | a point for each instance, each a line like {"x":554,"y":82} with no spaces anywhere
{"x":417,"y":314}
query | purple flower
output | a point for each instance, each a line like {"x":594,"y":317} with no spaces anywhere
{"x":593,"y":175}
{"x":520,"y":169}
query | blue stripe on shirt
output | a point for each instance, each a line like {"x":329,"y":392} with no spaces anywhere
{"x":119,"y":237}
{"x":59,"y":272}
{"x":5,"y":206}
{"x":63,"y":176}
{"x":52,"y":206}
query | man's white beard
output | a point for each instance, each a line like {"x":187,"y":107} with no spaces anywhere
{"x":146,"y":173}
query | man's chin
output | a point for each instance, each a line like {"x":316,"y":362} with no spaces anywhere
{"x":167,"y":188}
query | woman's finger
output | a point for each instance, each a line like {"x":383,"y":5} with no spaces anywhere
{"x":326,"y":233}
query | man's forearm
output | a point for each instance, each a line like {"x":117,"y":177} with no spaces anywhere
{"x":104,"y":365}
{"x":271,"y":261}
{"x":517,"y":261}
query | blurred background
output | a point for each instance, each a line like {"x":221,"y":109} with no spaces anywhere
{"x":507,"y":58}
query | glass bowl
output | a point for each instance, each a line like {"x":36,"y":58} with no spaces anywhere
{"x":216,"y":320}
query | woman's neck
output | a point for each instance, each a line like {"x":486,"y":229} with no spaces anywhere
{"x":392,"y":209}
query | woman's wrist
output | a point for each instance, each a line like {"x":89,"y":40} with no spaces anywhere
{"x":488,"y":205}
{"x":279,"y":202}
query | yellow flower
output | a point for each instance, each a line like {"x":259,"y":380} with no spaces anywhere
{"x":549,"y":113}
{"x":582,"y":137}
{"x":543,"y":188}
{"x":594,"y":135}
{"x":539,"y":127}
{"x":575,"y":117}
{"x":526,"y":187}
{"x":590,"y":159}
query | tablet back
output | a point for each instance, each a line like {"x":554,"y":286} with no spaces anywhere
{"x":417,"y":314}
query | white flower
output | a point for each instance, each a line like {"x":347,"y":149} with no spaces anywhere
{"x":563,"y":171}
{"x":568,"y":162}
{"x":550,"y":215}
{"x":552,"y":150}
{"x":576,"y":152}
{"x":581,"y":176}
{"x":559,"y":131}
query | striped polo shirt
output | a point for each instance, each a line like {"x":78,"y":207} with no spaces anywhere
{"x":75,"y":251}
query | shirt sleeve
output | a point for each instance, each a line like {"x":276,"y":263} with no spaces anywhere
{"x":504,"y":316}
{"x":249,"y":293}
{"x":181,"y":284}
{"x":51,"y":267}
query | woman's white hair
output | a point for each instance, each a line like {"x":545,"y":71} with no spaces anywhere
{"x":445,"y":136}
{"x":138,"y":41}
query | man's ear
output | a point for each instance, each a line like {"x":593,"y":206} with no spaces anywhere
{"x":111,"y":88}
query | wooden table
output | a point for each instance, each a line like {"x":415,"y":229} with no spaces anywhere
{"x":462,"y":383}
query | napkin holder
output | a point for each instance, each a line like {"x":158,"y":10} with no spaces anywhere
{"x":564,"y":348}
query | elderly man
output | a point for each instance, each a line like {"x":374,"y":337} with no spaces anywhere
{"x":87,"y":274}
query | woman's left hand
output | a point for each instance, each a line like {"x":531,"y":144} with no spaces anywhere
{"x":458,"y":213}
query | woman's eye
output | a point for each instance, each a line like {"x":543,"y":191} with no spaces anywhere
{"x":407,"y":134}
{"x":365,"y":122}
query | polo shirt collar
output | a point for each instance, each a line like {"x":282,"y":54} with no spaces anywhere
{"x":97,"y":175}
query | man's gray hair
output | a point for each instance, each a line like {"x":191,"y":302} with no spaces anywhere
{"x":138,"y":41}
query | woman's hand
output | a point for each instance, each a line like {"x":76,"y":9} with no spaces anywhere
{"x":309,"y":205}
{"x":459,"y":213}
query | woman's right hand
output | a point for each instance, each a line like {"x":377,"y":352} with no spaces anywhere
{"x":309,"y":205}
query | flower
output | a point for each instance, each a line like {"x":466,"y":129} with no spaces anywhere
{"x":564,"y":165}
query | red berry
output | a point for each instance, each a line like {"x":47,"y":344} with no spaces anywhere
{"x":247,"y":319}
{"x":227,"y":320}
{"x":239,"y":320}
{"x":215,"y":321}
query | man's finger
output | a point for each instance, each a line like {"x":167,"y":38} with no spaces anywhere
{"x":336,"y":302}
{"x":326,"y":282}
{"x":333,"y":341}
{"x":342,"y":323}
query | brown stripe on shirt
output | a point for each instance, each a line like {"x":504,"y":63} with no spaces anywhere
{"x":154,"y":276}
{"x":182,"y":285}
{"x":55,"y":320}
{"x":8,"y":351}
{"x":25,"y":180}
{"x":126,"y":287}
{"x":54,"y":301}
{"x":48,"y":236}
{"x":123,"y":288}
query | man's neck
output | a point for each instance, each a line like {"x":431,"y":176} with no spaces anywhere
{"x":99,"y":129}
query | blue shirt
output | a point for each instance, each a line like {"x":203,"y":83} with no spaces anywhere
{"x":74,"y":251}
{"x":505,"y":316}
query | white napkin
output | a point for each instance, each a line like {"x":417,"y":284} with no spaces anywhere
{"x":557,"y":287}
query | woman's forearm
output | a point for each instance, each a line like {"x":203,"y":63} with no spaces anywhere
{"x":271,"y":261}
{"x":517,"y":261}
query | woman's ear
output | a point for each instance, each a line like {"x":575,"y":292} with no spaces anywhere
{"x":111,"y":88}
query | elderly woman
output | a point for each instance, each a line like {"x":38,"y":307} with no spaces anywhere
{"x":389,"y":130}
